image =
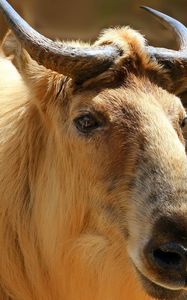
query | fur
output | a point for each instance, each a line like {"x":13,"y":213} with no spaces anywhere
{"x":71,"y":211}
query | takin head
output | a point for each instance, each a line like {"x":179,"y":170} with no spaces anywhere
{"x":93,"y":167}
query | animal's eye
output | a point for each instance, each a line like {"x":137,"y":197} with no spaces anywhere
{"x":184,"y":122}
{"x":86,"y":123}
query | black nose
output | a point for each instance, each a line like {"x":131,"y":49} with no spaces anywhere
{"x":168,"y":257}
{"x":165,"y":255}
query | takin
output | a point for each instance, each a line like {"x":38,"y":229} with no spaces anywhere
{"x":93,"y":166}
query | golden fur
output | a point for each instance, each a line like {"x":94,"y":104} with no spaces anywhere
{"x":65,"y":201}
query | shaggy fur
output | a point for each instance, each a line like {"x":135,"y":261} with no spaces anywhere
{"x":73,"y":208}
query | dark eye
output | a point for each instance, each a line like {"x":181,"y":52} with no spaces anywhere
{"x":184,"y":122}
{"x":86,"y":123}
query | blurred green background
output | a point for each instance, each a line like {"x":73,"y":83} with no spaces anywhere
{"x":84,"y":19}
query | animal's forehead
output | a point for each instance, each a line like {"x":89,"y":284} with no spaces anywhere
{"x":139,"y":96}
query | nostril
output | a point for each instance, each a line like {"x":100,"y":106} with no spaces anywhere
{"x":167,"y":259}
{"x":170,"y":256}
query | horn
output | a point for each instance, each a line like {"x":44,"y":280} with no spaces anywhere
{"x":174,"y":61}
{"x":76,"y":62}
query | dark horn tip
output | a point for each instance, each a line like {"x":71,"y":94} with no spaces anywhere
{"x":144,"y":7}
{"x":149,"y":9}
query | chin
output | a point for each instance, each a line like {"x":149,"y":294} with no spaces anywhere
{"x":159,"y":292}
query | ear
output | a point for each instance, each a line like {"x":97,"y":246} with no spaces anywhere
{"x":12,"y":49}
{"x":41,"y":81}
{"x":29,"y":70}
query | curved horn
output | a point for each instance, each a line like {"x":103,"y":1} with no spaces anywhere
{"x":82,"y":63}
{"x":178,"y":28}
{"x":175,"y":61}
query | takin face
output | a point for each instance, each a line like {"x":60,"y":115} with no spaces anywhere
{"x":93,"y":168}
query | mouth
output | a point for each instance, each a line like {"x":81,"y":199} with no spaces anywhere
{"x":159,"y":292}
